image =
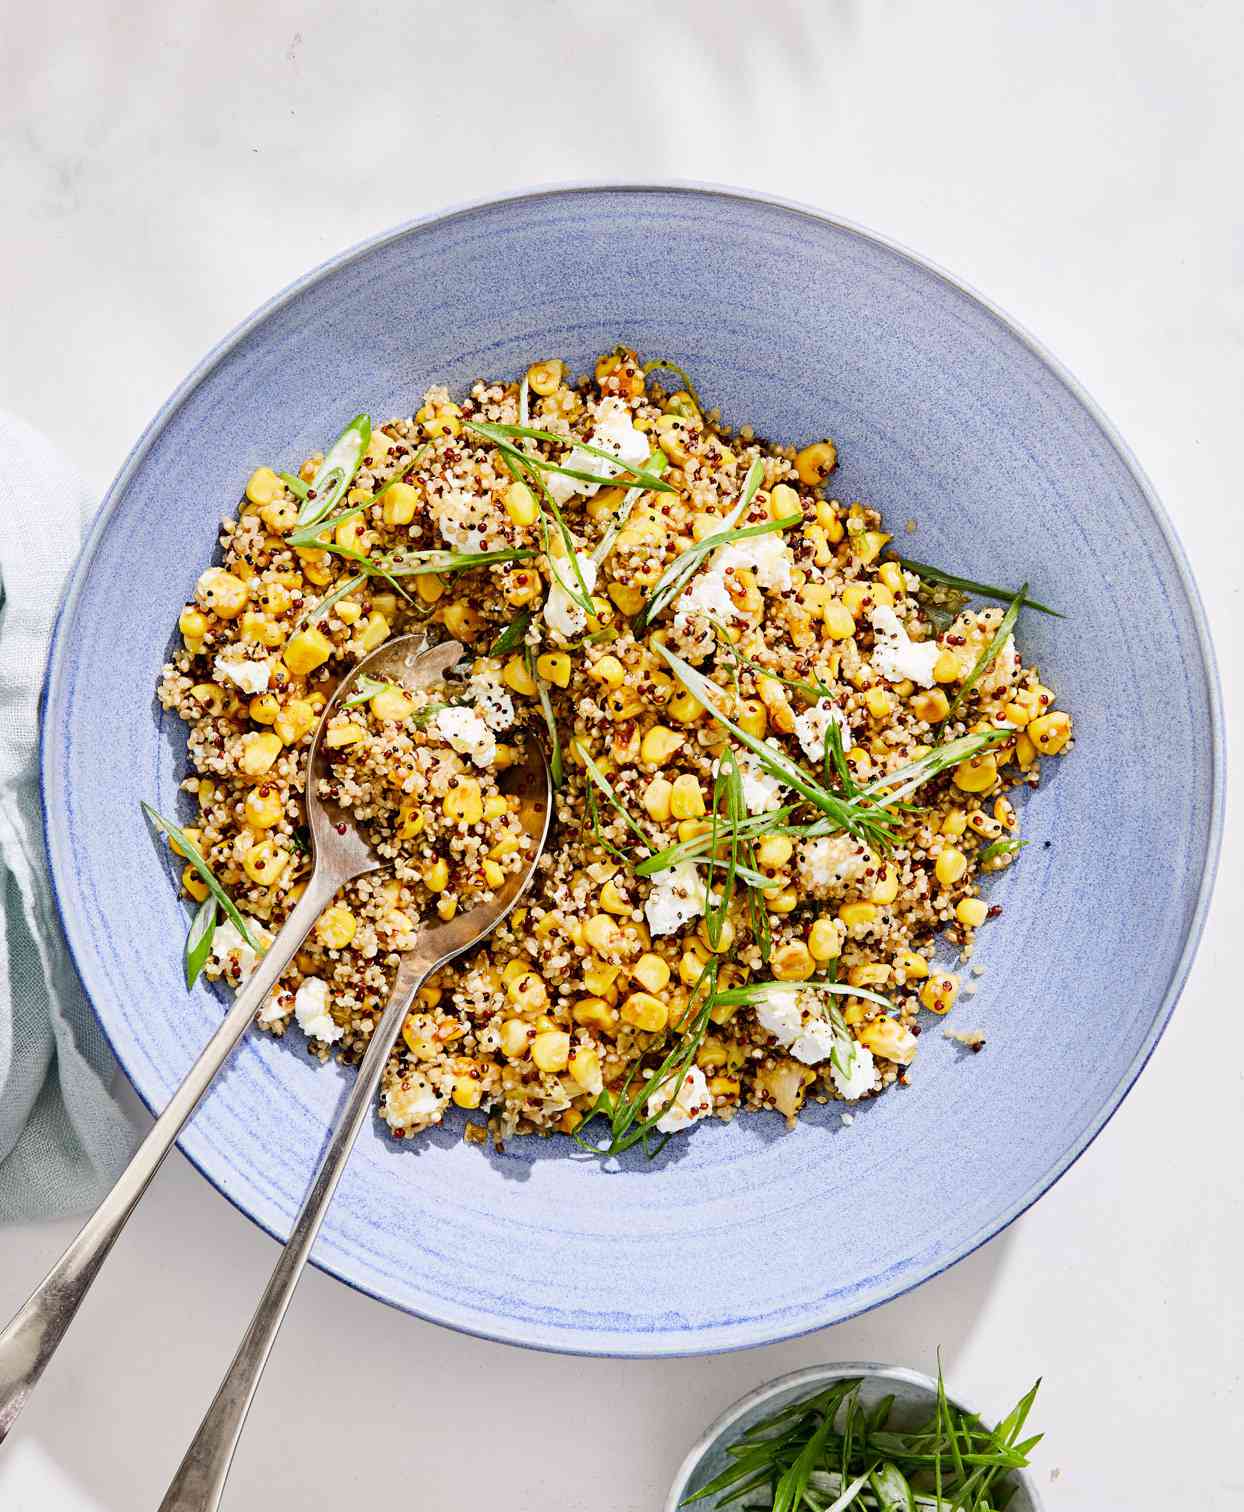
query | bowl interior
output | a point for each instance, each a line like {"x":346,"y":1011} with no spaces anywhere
{"x":945,"y":417}
{"x":915,"y":1397}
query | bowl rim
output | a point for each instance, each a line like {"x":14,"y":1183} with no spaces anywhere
{"x":721,"y":1338}
{"x":816,"y":1375}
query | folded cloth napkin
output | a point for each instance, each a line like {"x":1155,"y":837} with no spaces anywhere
{"x":63,"y":1138}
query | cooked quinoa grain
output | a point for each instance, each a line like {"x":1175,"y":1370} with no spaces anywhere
{"x":831,"y":794}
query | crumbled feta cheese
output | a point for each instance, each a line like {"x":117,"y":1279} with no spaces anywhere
{"x":251,"y":676}
{"x":766,"y":556}
{"x":273,"y":1009}
{"x":780,"y":1013}
{"x":861,"y":1074}
{"x":412,"y":1103}
{"x":614,"y":433}
{"x":677,"y":896}
{"x":692,"y":1103}
{"x":815,"y":1042}
{"x":1004,"y":669}
{"x":495,"y":705}
{"x":232,"y":955}
{"x":562,"y":615}
{"x":311,"y":1011}
{"x":467,"y":733}
{"x":811,"y":725}
{"x":706,"y":594}
{"x":896,"y":656}
{"x":463,"y":521}
{"x":762,"y":791}
{"x":831,"y":860}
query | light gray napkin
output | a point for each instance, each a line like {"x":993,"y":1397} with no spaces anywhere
{"x":63,"y":1139}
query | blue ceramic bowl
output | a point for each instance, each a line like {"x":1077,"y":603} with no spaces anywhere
{"x":944,"y":413}
{"x":915,"y":1399}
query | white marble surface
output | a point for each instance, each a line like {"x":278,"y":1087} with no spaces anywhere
{"x":165,"y":167}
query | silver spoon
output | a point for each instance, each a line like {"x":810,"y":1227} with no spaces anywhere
{"x":339,"y":854}
{"x":200,"y":1479}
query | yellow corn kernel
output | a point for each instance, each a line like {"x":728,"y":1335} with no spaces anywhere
{"x":971,"y":911}
{"x":391,"y":705}
{"x":868,"y":545}
{"x":376,"y":631}
{"x":687,"y":798}
{"x":306,"y":650}
{"x":889,"y":1039}
{"x":878,"y":702}
{"x":258,"y":753}
{"x":551,"y":1051}
{"x":725,"y":939}
{"x":628,"y":599}
{"x":398,"y":503}
{"x":595,"y":1013}
{"x":263,"y":807}
{"x":1051,"y":732}
{"x":711,"y":1053}
{"x":436,"y":875}
{"x":914,"y":967}
{"x":446,"y":907}
{"x":221,"y":593}
{"x":192,"y":623}
{"x":946,"y":668}
{"x":651,"y":972}
{"x":891,"y":574}
{"x":977,"y":773}
{"x":194,"y":884}
{"x":1025,"y":751}
{"x":410,"y":820}
{"x":294,"y":720}
{"x":467,"y":1091}
{"x":516,"y":1038}
{"x":824,"y":940}
{"x":940,"y":991}
{"x":494,"y":872}
{"x":781,"y":900}
{"x":855,"y":596}
{"x":658,"y":798}
{"x":886,"y":889}
{"x":783,"y":502}
{"x":584,"y":1068}
{"x":528,"y":992}
{"x":279,"y":515}
{"x":753,"y":717}
{"x":514,"y":969}
{"x":676,"y":435}
{"x":692,"y":963}
{"x":685,"y":708}
{"x":869,"y":974}
{"x":343,"y":734}
{"x":954,"y":823}
{"x":462,"y":622}
{"x":599,"y":976}
{"x":658,"y":745}
{"x":839,"y":621}
{"x":857,"y":913}
{"x":1004,"y":812}
{"x":554,"y":667}
{"x":792,"y":963}
{"x":774,"y":851}
{"x":336,"y":927}
{"x":931,"y":705}
{"x":645,"y":1012}
{"x":607,"y":670}
{"x":623,"y":703}
{"x":464,"y":802}
{"x":515,"y":675}
{"x":544,"y":377}
{"x":520,"y":504}
{"x":815,"y":463}
{"x":348,"y":611}
{"x":983,"y":825}
{"x":193,"y":834}
{"x":430,"y":587}
{"x":950,"y":866}
{"x":264,"y":708}
{"x":264,"y":862}
{"x":602,"y":934}
{"x":612,"y":901}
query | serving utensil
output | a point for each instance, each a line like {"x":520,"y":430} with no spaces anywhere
{"x":339,"y":854}
{"x":200,"y":1479}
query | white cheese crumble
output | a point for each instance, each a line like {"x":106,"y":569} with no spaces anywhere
{"x":412,"y":1106}
{"x":614,"y":433}
{"x":311,"y":1011}
{"x":762,"y":791}
{"x":562,"y":615}
{"x":811,"y":725}
{"x":861,"y":1077}
{"x":232,"y":955}
{"x":467,"y":733}
{"x":831,"y":860}
{"x":677,"y":896}
{"x":692,"y":1103}
{"x":251,"y":676}
{"x":273,"y":1010}
{"x":463,"y":520}
{"x":766,"y":556}
{"x":489,"y":695}
{"x":706,"y":594}
{"x":896,"y":656}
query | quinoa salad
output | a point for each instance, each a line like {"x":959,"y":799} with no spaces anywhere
{"x":784,"y":757}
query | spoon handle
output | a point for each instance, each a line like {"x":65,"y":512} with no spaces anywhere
{"x":200,"y":1480}
{"x":30,"y":1340}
